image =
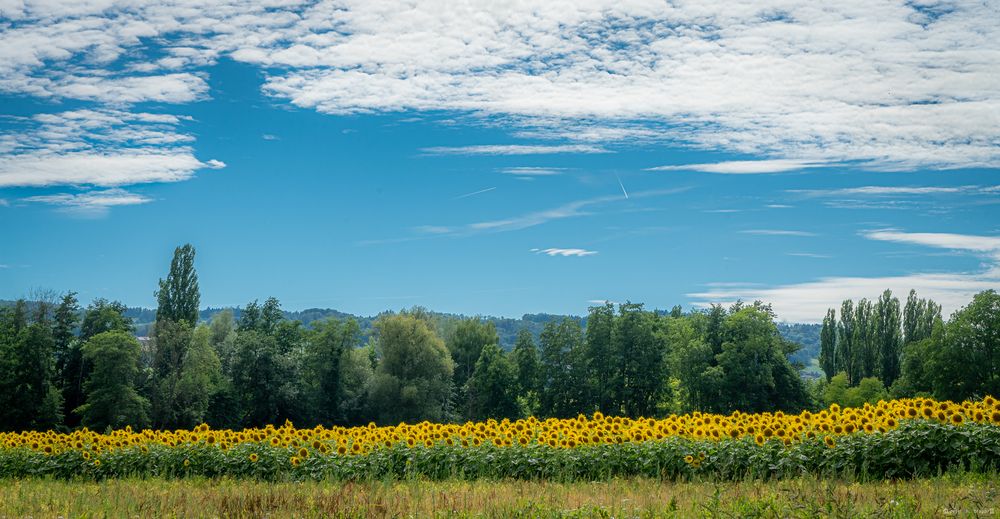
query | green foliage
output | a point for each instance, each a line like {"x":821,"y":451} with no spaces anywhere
{"x":828,"y":344}
{"x":178,"y":297}
{"x":466,"y":342}
{"x":200,"y":379}
{"x":870,"y":390}
{"x":414,"y":375}
{"x":967,"y":360}
{"x":915,"y":449}
{"x":563,"y":380}
{"x":326,"y":344}
{"x":492,"y":388}
{"x":112,"y":400}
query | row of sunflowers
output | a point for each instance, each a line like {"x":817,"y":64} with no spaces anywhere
{"x":899,"y":438}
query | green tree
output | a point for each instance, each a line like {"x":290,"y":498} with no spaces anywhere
{"x":967,"y":363}
{"x":326,"y":344}
{"x":466,"y":343}
{"x":200,"y":379}
{"x":865,"y":347}
{"x":414,"y":375}
{"x":65,"y":321}
{"x":919,"y":316}
{"x":356,"y":375}
{"x":111,"y":397}
{"x":525,"y":359}
{"x":600,"y":355}
{"x":888,"y":337}
{"x":693,"y":364}
{"x":757,"y":374}
{"x":561,"y":343}
{"x":492,"y":388}
{"x":223,"y":338}
{"x":172,"y":341}
{"x":845,"y":339}
{"x":178,"y":297}
{"x":639,"y":358}
{"x":99,"y":317}
{"x":262,"y":381}
{"x":828,"y":344}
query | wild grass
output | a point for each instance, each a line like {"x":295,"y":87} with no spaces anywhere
{"x":965,"y":495}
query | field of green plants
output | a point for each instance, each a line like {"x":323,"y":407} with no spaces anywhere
{"x":950,"y":496}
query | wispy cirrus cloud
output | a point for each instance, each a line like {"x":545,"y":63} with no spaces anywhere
{"x":514,"y":149}
{"x":746,"y":167}
{"x":565,"y":252}
{"x":91,"y":204}
{"x":883,"y":191}
{"x":777,"y":232}
{"x":952,"y":241}
{"x":474,"y":193}
{"x":531,"y":171}
{"x":808,"y":301}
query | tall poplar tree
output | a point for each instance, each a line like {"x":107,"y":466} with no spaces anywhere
{"x":178,"y":297}
{"x":888,"y":337}
{"x":828,"y":344}
{"x":845,"y":338}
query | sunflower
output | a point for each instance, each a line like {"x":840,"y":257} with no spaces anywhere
{"x":253,"y":457}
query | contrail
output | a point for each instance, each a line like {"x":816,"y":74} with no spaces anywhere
{"x":623,"y":186}
{"x":474,"y":193}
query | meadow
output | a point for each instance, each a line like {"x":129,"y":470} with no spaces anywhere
{"x":965,"y":495}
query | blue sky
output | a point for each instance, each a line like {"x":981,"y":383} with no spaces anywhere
{"x":370,"y":156}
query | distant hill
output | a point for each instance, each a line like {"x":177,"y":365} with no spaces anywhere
{"x":806,"y":335}
{"x":507,"y":328}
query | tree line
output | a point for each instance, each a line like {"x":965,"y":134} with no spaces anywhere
{"x":882,"y":349}
{"x":63,"y":366}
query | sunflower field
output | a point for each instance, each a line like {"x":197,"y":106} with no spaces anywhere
{"x":894,"y":439}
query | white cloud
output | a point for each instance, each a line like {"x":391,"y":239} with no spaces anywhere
{"x":91,"y":204}
{"x":777,"y":232}
{"x":97,"y":147}
{"x":565,"y":252}
{"x":808,"y":302}
{"x":887,"y":191}
{"x":474,"y":193}
{"x":745,"y":167}
{"x":514,"y":149}
{"x":808,"y":255}
{"x":528,"y":171}
{"x":892,"y":85}
{"x":940,"y":240}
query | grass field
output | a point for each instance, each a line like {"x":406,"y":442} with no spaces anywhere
{"x":949,"y":496}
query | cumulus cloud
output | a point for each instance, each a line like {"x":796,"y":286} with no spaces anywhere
{"x":808,"y":302}
{"x":565,"y":252}
{"x":892,"y":85}
{"x":97,"y":147}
